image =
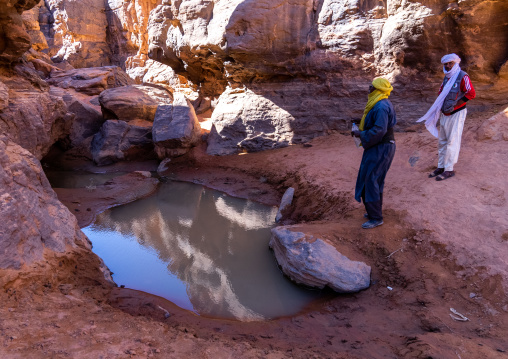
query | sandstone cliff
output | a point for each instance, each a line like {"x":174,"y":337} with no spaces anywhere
{"x":311,"y":59}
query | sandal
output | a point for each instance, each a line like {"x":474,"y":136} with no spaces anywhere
{"x":436,"y":172}
{"x":445,"y":175}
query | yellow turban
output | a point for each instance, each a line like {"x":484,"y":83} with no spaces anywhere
{"x":383,"y":88}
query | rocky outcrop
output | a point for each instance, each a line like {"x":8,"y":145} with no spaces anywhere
{"x":314,"y":262}
{"x":31,"y":214}
{"x":32,"y":117}
{"x":90,"y":81}
{"x":122,"y":141}
{"x":32,"y":26}
{"x":176,"y":128}
{"x":14,"y":40}
{"x":133,"y":102}
{"x":76,"y":32}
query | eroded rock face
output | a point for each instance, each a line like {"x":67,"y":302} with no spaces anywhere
{"x":14,"y":40}
{"x":76,"y":31}
{"x":122,"y":141}
{"x":32,"y":26}
{"x":133,"y":102}
{"x":33,"y":117}
{"x":31,"y":214}
{"x":176,"y":128}
{"x":314,"y":262}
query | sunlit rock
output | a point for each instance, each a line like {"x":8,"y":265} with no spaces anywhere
{"x":32,"y":25}
{"x":133,"y":102}
{"x":495,"y":128}
{"x":176,"y":128}
{"x":315,"y":262}
{"x":121,"y":141}
{"x":76,"y":32}
{"x":245,"y":121}
{"x":91,"y":81}
{"x":32,"y":217}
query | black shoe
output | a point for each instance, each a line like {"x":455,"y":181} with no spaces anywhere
{"x":436,"y":172}
{"x":372,"y":224}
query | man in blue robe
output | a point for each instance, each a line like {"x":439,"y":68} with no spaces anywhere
{"x":378,"y":141}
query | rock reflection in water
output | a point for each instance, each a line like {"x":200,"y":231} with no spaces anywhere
{"x":214,"y":250}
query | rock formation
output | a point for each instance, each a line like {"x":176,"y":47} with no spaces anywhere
{"x":90,"y":81}
{"x":314,"y":262}
{"x":133,"y":102}
{"x":32,"y":216}
{"x":176,"y":128}
{"x":118,"y":140}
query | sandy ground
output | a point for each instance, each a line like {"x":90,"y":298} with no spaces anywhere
{"x":443,"y":245}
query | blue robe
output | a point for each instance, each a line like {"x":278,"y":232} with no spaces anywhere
{"x":377,"y":157}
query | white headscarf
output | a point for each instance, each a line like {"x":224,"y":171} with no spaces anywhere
{"x":432,"y":115}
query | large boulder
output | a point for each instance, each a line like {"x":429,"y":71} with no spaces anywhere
{"x":90,"y":81}
{"x":122,"y":141}
{"x":176,"y":128}
{"x":316,"y":263}
{"x":244,"y":121}
{"x":134,"y":102}
{"x":33,"y":219}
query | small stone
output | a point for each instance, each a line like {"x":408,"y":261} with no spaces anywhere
{"x":472,"y":295}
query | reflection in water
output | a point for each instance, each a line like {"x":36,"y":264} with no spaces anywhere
{"x":203,"y":250}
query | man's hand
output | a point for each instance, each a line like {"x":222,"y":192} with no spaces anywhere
{"x":355,"y":133}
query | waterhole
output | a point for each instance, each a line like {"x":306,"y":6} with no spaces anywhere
{"x":201,"y":249}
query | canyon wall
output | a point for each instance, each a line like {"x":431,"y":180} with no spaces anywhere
{"x":303,"y":65}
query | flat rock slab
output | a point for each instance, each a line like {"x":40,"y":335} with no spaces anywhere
{"x":316,"y":263}
{"x":86,"y":203}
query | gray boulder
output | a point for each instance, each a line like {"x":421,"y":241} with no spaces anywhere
{"x":244,"y":121}
{"x":176,"y":128}
{"x":122,"y":141}
{"x":314,"y":262}
{"x":133,"y":102}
